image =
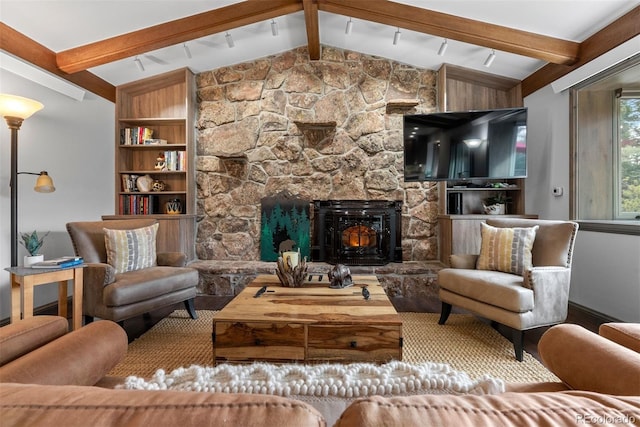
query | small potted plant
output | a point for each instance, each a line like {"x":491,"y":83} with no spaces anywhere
{"x":32,"y":242}
{"x":496,"y":204}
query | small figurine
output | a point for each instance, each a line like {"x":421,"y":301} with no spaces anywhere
{"x":365,"y":293}
{"x":161,"y":163}
{"x":340,"y":277}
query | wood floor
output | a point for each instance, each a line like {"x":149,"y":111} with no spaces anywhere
{"x":139,"y":325}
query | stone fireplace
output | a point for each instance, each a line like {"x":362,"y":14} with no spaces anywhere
{"x":320,"y":130}
{"x":357,"y":232}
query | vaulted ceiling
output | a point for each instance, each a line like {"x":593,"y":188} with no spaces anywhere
{"x":93,"y":43}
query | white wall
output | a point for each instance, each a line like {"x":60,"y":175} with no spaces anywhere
{"x":73,"y":141}
{"x":606,"y":267}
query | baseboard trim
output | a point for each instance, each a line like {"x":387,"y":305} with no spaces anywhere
{"x":50,"y":309}
{"x":603,"y":318}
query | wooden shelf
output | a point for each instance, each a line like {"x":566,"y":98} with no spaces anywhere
{"x":402,"y":103}
{"x":315,"y":125}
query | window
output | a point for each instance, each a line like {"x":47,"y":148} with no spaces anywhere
{"x":628,"y":154}
{"x":606,"y":147}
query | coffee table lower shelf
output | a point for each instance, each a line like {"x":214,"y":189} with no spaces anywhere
{"x":309,"y":324}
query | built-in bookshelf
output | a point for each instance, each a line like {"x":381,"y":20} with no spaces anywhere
{"x":461,"y":203}
{"x":155,"y":155}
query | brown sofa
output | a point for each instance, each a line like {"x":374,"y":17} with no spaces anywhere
{"x":600,"y":385}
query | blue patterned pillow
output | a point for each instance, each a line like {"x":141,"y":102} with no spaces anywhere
{"x":129,"y":250}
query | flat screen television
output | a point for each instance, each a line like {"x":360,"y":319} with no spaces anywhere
{"x":455,"y":146}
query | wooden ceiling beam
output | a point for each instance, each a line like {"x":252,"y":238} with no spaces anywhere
{"x":173,"y":32}
{"x":619,"y":31}
{"x":453,"y":27}
{"x":313,"y":29}
{"x":21,"y":46}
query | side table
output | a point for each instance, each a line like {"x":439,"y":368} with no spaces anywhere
{"x":24,"y":279}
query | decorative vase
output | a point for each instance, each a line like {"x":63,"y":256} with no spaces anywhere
{"x":495,"y":209}
{"x":144,"y":183}
{"x":173,"y":207}
{"x":29,"y":260}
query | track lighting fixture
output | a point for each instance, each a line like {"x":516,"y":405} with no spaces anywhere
{"x":187,"y":52}
{"x":396,"y":36}
{"x":490,"y":59}
{"x":274,"y":28}
{"x":443,"y":48}
{"x":139,"y":63}
{"x":229,"y":40}
{"x":349,"y":27}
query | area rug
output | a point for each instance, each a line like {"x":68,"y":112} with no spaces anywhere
{"x":466,"y":344}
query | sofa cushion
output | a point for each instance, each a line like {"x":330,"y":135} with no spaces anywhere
{"x":81,"y":357}
{"x":140,"y":285}
{"x":625,"y":334}
{"x":129,"y":250}
{"x":491,"y":287}
{"x":506,"y":249}
{"x":31,"y":405}
{"x":509,"y":409}
{"x":19,"y":338}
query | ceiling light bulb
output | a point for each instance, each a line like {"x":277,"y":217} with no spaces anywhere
{"x":349,"y":27}
{"x":229,"y":40}
{"x":443,"y":48}
{"x":186,"y":50}
{"x":274,"y":28}
{"x":490,"y":59}
{"x":396,"y":36}
{"x":139,"y":64}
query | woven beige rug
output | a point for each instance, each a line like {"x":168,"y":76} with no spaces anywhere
{"x":465,"y":343}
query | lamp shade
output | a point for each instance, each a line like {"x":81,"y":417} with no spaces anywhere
{"x":44,"y":183}
{"x":17,"y":106}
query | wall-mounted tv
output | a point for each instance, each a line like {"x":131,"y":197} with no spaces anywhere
{"x":454,"y":146}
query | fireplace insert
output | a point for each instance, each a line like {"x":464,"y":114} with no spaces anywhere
{"x":357,"y":232}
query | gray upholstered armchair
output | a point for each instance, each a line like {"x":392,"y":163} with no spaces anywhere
{"x":161,"y":279}
{"x":536,"y":297}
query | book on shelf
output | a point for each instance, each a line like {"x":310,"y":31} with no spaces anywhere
{"x":62,"y":262}
{"x":138,"y":204}
{"x":136,"y":135}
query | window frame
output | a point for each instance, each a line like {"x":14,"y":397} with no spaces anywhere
{"x":610,"y":222}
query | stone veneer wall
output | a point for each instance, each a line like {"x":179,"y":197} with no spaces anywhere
{"x":249,"y":145}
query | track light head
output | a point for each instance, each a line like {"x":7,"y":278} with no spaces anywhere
{"x":396,"y":36}
{"x":274,"y":28}
{"x":443,"y":48}
{"x":490,"y":59}
{"x":349,"y":27}
{"x":187,"y":51}
{"x":229,"y":39}
{"x":139,"y":63}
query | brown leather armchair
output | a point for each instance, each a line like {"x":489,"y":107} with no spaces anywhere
{"x":117,"y":297}
{"x":538,"y":298}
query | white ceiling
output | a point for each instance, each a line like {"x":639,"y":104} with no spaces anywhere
{"x":64,"y":24}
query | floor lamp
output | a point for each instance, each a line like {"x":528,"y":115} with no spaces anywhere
{"x":15,"y":109}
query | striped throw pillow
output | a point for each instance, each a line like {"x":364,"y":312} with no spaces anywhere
{"x":506,"y":249}
{"x":129,"y":250}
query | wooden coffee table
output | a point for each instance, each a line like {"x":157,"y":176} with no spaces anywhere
{"x":313,"y":323}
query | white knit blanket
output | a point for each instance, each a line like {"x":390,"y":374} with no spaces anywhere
{"x":323,"y":380}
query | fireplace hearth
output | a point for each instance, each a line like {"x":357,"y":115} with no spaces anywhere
{"x":357,"y":232}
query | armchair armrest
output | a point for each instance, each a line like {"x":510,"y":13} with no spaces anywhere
{"x":586,"y":361}
{"x":467,"y":261}
{"x":171,"y":259}
{"x":550,"y":287}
